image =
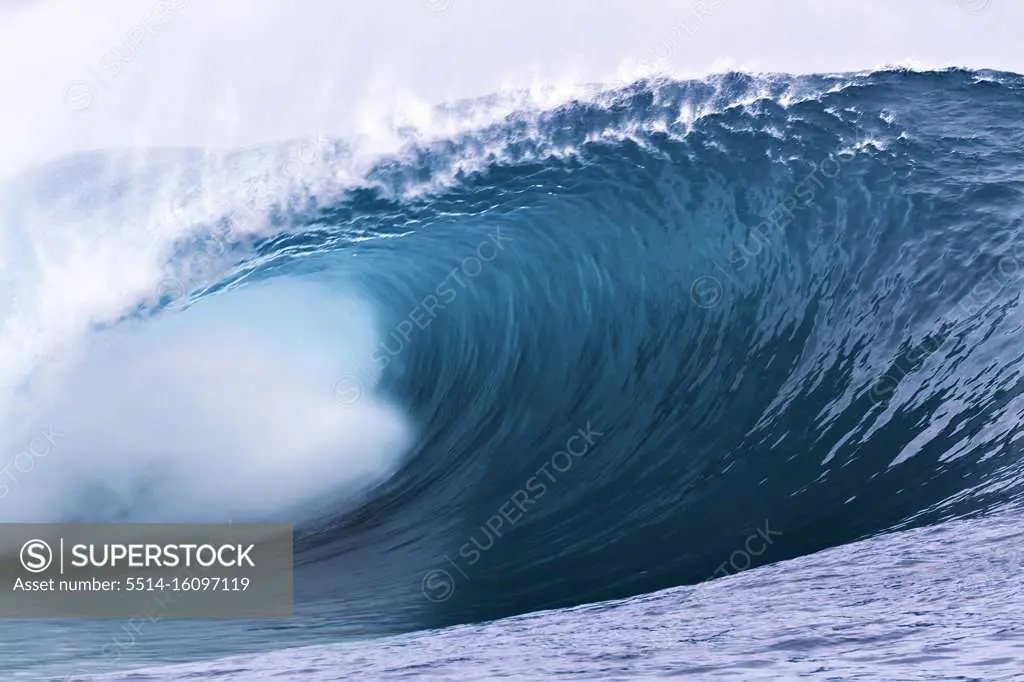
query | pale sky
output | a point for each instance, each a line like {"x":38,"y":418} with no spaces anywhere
{"x":229,"y":72}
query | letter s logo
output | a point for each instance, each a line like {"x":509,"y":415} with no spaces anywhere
{"x":36,"y":556}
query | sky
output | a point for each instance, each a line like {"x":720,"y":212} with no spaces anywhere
{"x":76,"y":76}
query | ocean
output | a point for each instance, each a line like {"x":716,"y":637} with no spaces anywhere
{"x":705,"y":378}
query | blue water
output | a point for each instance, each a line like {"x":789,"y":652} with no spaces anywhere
{"x":941,"y":603}
{"x":716,"y":379}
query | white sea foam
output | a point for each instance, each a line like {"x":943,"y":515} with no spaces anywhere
{"x":222,"y":410}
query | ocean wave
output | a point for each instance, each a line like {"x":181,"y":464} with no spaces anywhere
{"x":536,"y":356}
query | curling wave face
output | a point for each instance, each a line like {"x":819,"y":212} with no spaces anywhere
{"x":641,"y":339}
